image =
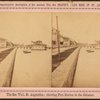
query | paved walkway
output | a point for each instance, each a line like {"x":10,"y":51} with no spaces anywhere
{"x":3,"y":49}
{"x":32,"y":69}
{"x":88,"y":69}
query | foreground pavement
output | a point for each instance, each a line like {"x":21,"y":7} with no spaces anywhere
{"x":32,"y":69}
{"x":88,"y":69}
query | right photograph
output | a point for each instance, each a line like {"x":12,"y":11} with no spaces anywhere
{"x":75,"y":49}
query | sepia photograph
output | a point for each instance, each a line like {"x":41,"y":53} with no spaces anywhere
{"x":49,"y":49}
{"x":25,"y":49}
{"x":76,"y":49}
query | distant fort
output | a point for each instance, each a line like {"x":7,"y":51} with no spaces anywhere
{"x":35,"y":45}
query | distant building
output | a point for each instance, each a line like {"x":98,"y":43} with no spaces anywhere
{"x":38,"y":45}
{"x":97,"y":45}
{"x":66,"y":41}
{"x":5,"y":43}
{"x":38,"y":42}
{"x":73,"y":43}
{"x":54,"y":38}
{"x":9,"y":44}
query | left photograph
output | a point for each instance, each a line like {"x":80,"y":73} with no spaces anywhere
{"x":25,"y":49}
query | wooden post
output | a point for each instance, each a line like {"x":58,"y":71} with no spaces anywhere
{"x":58,"y":38}
{"x":52,"y":31}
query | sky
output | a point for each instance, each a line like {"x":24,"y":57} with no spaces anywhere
{"x":24,"y":27}
{"x":82,"y":27}
{"x":21,"y":27}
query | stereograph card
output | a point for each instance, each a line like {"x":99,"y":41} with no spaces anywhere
{"x":49,"y":49}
